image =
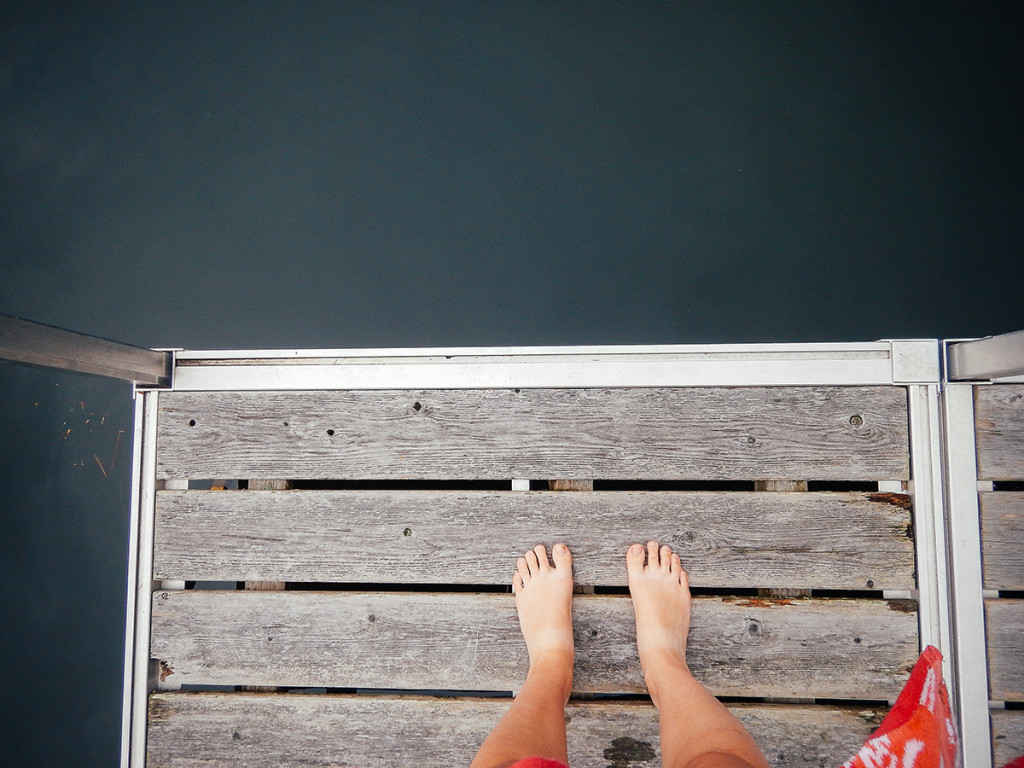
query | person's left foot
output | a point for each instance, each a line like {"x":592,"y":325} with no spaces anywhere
{"x":544,"y":602}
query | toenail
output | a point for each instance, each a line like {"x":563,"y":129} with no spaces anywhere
{"x":636,"y":549}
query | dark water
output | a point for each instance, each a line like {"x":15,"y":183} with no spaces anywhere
{"x":374,"y":174}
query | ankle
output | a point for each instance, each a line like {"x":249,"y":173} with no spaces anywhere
{"x":557,"y":662}
{"x":663,"y":670}
{"x":553,"y":668}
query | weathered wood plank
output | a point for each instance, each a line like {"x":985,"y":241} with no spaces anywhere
{"x":1007,"y":735}
{"x":265,"y":585}
{"x":999,"y":425}
{"x":814,"y":433}
{"x":787,"y":486}
{"x":570,"y":485}
{"x":383,"y":731}
{"x":429,"y":641}
{"x":1004,"y":622}
{"x":781,"y":486}
{"x":1002,"y":540}
{"x":266,"y":485}
{"x":726,"y":539}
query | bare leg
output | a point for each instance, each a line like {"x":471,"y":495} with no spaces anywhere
{"x":535,"y":723}
{"x":696,"y":730}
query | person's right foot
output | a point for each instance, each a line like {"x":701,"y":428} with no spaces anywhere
{"x":661,"y":602}
{"x":544,"y":603}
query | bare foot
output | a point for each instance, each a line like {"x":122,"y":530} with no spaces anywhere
{"x":661,"y":602}
{"x":544,"y":602}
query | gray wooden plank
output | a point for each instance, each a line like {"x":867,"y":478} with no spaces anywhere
{"x":269,"y":484}
{"x":382,"y":731}
{"x":999,"y":428}
{"x":1007,"y":735}
{"x":726,"y":539}
{"x":1004,"y":623}
{"x":1002,"y":540}
{"x":465,"y":641}
{"x":813,"y":433}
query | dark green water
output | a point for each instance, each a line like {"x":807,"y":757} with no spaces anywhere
{"x":376,"y":174}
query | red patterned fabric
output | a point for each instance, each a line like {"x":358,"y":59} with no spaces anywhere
{"x":919,"y":731}
{"x":539,"y":762}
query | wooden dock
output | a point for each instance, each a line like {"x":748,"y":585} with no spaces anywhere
{"x":999,"y":425}
{"x":345,"y":600}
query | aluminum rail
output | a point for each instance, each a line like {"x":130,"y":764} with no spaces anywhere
{"x":24,"y":341}
{"x":992,"y":357}
{"x":856,"y":364}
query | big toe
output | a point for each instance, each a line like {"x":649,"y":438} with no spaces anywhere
{"x":635,"y":559}
{"x":562,"y":556}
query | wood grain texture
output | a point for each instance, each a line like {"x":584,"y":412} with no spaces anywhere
{"x":1002,"y":540}
{"x":427,"y":641}
{"x":726,"y":539}
{"x":781,"y":486}
{"x":570,"y":485}
{"x":383,"y":732}
{"x":813,"y":433}
{"x":266,"y":485}
{"x":1004,"y":622}
{"x":1007,"y":735}
{"x":999,"y":429}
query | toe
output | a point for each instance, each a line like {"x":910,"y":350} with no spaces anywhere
{"x":517,"y":583}
{"x":532,"y":561}
{"x":652,"y":554}
{"x":542,"y":557}
{"x":523,"y":569}
{"x":635,"y":558}
{"x":666,"y":558}
{"x":562,"y":557}
{"x":679,"y":571}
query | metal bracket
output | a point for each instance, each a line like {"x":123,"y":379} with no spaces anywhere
{"x":992,"y":357}
{"x":24,"y":341}
{"x":915,"y":361}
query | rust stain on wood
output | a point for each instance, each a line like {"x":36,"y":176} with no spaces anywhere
{"x":901,"y":500}
{"x":760,"y":602}
{"x":166,"y":670}
{"x":903,"y":606}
